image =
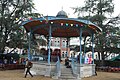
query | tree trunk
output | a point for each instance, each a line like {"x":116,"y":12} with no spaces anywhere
{"x":98,"y":55}
{"x":103,"y":58}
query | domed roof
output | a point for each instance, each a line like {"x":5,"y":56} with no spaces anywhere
{"x":62,"y":14}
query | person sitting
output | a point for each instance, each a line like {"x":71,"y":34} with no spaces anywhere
{"x":67,"y":63}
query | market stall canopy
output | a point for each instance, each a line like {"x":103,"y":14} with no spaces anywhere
{"x":62,"y":26}
{"x":117,"y":58}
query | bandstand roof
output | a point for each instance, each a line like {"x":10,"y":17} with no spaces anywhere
{"x":61,"y":26}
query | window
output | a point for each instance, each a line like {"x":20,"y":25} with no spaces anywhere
{"x":63,"y":43}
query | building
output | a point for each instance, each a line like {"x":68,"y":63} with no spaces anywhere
{"x":63,"y":45}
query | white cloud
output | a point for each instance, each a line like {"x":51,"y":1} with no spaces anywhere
{"x":52,"y":7}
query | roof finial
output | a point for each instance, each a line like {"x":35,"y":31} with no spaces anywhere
{"x":62,"y":8}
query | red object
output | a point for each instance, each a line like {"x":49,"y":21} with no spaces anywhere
{"x":30,"y":19}
{"x":89,"y":60}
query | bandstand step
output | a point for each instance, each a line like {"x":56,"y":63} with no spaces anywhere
{"x":66,"y":74}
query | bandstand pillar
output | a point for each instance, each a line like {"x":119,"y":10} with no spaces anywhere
{"x":67,"y":46}
{"x":48,"y":67}
{"x":93,"y":65}
{"x":29,"y":46}
{"x":80,"y":55}
{"x":49,"y":44}
{"x":84,"y":50}
{"x":93,"y":48}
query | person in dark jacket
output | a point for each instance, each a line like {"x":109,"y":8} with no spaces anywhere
{"x":66,"y":61}
{"x":28,"y":65}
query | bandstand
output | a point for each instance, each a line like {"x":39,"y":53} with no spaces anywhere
{"x":62,"y":26}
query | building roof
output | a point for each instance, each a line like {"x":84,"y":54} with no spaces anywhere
{"x":62,"y":14}
{"x":117,"y":58}
{"x":61,"y":26}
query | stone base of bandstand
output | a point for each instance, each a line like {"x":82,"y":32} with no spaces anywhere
{"x":85,"y":70}
{"x":44,"y":69}
{"x":48,"y":70}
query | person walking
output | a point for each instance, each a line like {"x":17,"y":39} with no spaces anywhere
{"x":28,"y":66}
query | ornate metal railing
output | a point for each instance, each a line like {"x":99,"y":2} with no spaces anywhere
{"x":58,"y":68}
{"x":74,"y":66}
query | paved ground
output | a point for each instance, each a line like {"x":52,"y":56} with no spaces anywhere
{"x":104,"y":76}
{"x":18,"y":75}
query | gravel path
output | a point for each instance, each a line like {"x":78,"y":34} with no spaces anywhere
{"x":18,"y":75}
{"x":104,"y":76}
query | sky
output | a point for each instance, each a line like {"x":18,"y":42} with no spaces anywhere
{"x":52,"y":7}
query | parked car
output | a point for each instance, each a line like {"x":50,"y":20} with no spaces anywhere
{"x":37,"y":58}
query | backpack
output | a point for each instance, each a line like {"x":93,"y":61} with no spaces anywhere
{"x":30,"y":64}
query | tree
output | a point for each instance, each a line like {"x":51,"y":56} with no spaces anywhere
{"x":98,"y":12}
{"x":12,"y":12}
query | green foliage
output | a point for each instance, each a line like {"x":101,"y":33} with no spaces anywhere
{"x":11,"y":14}
{"x":98,"y":12}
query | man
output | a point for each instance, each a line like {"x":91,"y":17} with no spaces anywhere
{"x":28,"y":65}
{"x":66,"y":61}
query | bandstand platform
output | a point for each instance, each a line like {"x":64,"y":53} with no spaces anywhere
{"x":61,"y":72}
{"x":62,"y":26}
